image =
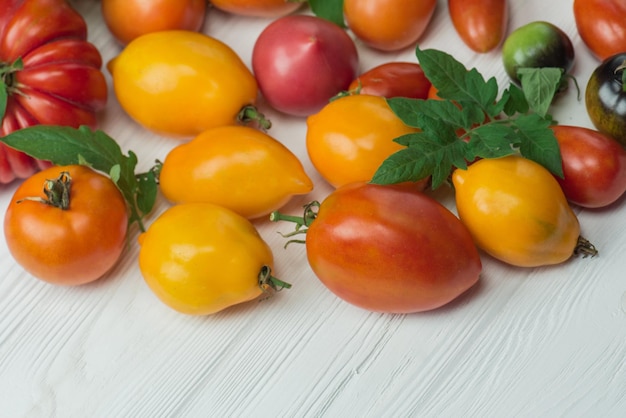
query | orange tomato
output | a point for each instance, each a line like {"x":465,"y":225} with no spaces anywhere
{"x":128,"y":19}
{"x":388,"y":25}
{"x":257,"y":8}
{"x":481,"y":24}
{"x":601,"y":25}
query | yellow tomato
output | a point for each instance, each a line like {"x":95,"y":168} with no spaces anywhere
{"x":180,"y":83}
{"x":516,"y":211}
{"x":238,"y":167}
{"x":200,"y":258}
{"x":351,"y":137}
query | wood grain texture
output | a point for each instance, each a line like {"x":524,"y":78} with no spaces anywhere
{"x":545,"y":342}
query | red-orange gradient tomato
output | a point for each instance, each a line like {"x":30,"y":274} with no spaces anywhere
{"x":481,"y":24}
{"x":258,"y":8}
{"x":71,"y":235}
{"x":128,"y":19}
{"x":601,"y":25}
{"x":388,"y":25}
{"x":391,"y":249}
{"x":393,"y":79}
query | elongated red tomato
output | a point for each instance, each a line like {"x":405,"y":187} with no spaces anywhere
{"x":601,"y":25}
{"x":481,"y":24}
{"x":58,"y":80}
{"x":393,"y":79}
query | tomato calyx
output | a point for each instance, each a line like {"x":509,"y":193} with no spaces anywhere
{"x":7,"y":82}
{"x":250,"y":115}
{"x":302,"y":223}
{"x":270,"y":284}
{"x":57,"y":192}
{"x":585,"y":248}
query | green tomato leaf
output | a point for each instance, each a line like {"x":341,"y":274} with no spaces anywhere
{"x":539,"y":86}
{"x":491,"y":141}
{"x":538,"y":143}
{"x":331,"y":10}
{"x":514,"y":101}
{"x":4,"y":98}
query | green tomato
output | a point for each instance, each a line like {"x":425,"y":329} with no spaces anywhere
{"x":537,"y":45}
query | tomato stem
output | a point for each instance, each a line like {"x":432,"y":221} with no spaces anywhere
{"x":270,"y":284}
{"x":250,"y":114}
{"x":585,"y":248}
{"x":57,"y":192}
{"x":302,"y":223}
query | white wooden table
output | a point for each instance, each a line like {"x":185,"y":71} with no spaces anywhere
{"x":542,"y":342}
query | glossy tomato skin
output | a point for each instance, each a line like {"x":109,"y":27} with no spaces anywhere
{"x":200,"y":258}
{"x":238,"y":167}
{"x":61,"y":82}
{"x":516,"y":211}
{"x":128,"y":19}
{"x":481,"y":24}
{"x":391,"y":249}
{"x":301,"y":62}
{"x":257,"y":8}
{"x":393,"y":79}
{"x":594,"y":166}
{"x":605,"y":98}
{"x":601,"y":25}
{"x":351,"y":137}
{"x":70,"y":246}
{"x":388,"y":25}
{"x":177,"y":100}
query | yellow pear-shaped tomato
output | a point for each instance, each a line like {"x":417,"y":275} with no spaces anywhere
{"x":351,"y":137}
{"x":238,"y":167}
{"x":180,"y":83}
{"x":516,"y":211}
{"x":200,"y":258}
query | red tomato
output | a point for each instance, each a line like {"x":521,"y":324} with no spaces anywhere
{"x":301,"y":62}
{"x":258,"y":8}
{"x":128,"y":19}
{"x":60,"y":83}
{"x":391,"y":249}
{"x":66,"y":225}
{"x":393,"y":79}
{"x":594,"y":166}
{"x":601,"y":25}
{"x":388,"y":25}
{"x":481,"y":24}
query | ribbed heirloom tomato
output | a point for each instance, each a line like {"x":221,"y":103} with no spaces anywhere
{"x":128,"y":19}
{"x":258,"y":8}
{"x":67,"y":225}
{"x":180,"y":83}
{"x":58,"y":80}
{"x":390,"y":249}
{"x":237,"y":167}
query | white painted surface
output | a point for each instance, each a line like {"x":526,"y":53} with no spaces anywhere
{"x":543,"y":342}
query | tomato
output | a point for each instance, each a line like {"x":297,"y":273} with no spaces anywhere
{"x":180,"y":83}
{"x":537,"y":44}
{"x":393,"y":79}
{"x":605,"y":98}
{"x":238,"y":167}
{"x":200,"y":258}
{"x":66,"y":225}
{"x":301,"y":62}
{"x":516,"y":211}
{"x":258,"y":8}
{"x":481,"y":24}
{"x":390,"y":249}
{"x":388,"y":25}
{"x":601,"y":25}
{"x":594,"y":166}
{"x":128,"y":19}
{"x":351,"y":136}
{"x":59,"y":81}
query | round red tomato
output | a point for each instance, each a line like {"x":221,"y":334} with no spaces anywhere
{"x":128,"y":19}
{"x":391,"y":249}
{"x":66,"y":225}
{"x":51,"y":74}
{"x":301,"y":62}
{"x":388,"y":25}
{"x":393,"y":79}
{"x":258,"y":8}
{"x":594,"y":166}
{"x":601,"y":25}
